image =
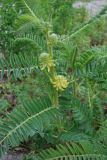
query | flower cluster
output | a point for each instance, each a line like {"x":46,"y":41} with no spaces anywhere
{"x":46,"y":61}
{"x":59,"y":82}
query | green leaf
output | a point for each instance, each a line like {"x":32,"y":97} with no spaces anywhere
{"x":25,"y":121}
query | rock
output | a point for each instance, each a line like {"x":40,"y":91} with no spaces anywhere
{"x":13,"y":157}
{"x":93,"y":7}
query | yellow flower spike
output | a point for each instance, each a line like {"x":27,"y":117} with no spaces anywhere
{"x":59,"y":82}
{"x":46,"y":61}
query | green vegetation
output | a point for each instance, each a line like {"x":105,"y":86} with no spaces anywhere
{"x":53,"y":81}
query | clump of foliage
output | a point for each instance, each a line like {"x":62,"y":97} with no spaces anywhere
{"x":57,"y":74}
{"x":7,"y":17}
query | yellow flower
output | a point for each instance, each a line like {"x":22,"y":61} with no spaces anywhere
{"x":59,"y":82}
{"x":46,"y":61}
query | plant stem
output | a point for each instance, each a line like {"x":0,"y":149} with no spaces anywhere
{"x":55,"y":92}
{"x":89,"y":95}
